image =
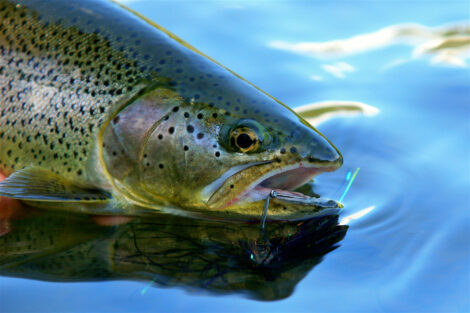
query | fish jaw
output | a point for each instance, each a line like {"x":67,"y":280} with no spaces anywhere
{"x":294,"y":161}
{"x":246,"y":190}
{"x":283,"y":181}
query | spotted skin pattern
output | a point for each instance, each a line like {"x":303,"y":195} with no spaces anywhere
{"x":57,"y":86}
{"x":94,"y":92}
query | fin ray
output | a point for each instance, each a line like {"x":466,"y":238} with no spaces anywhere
{"x":42,"y":185}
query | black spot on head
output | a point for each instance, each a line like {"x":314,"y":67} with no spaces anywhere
{"x":217,"y":154}
{"x":232,"y":186}
{"x":283,"y":150}
{"x":200,"y":116}
{"x":175,"y":109}
{"x":214,"y":115}
{"x":293,"y":150}
{"x":190,"y":128}
{"x":200,"y":136}
{"x":186,"y":148}
{"x":186,"y":114}
{"x":160,"y":136}
{"x":171,"y":130}
{"x":116,"y":119}
{"x":160,"y":165}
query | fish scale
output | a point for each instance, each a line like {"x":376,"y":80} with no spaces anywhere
{"x":107,"y":112}
{"x":53,"y":98}
{"x":48,"y":61}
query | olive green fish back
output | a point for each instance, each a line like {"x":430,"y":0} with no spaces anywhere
{"x":70,"y":69}
{"x":67,"y":66}
{"x":58,"y":84}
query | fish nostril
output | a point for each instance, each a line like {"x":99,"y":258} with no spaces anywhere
{"x":295,"y":134}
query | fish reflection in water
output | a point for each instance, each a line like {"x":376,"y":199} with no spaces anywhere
{"x":214,"y":256}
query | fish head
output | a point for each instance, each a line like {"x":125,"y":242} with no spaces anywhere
{"x":270,"y":149}
{"x":195,"y":155}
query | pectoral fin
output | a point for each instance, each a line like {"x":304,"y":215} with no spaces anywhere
{"x":36,"y":184}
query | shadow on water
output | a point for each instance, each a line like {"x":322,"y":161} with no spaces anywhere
{"x":198,"y":255}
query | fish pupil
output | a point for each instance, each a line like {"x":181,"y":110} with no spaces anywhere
{"x":244,"y":141}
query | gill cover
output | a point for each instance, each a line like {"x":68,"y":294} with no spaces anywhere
{"x":159,"y":150}
{"x":125,"y":137}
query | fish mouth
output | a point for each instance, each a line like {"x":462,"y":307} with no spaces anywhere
{"x":284,"y":180}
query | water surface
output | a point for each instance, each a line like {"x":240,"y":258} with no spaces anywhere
{"x":410,"y":252}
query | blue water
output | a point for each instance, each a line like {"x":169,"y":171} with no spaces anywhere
{"x":411,"y":252}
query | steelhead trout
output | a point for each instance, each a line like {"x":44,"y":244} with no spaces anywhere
{"x":104,"y":112}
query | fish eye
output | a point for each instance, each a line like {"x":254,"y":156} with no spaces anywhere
{"x":245,"y":136}
{"x":244,"y":139}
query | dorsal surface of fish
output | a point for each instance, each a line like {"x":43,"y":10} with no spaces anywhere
{"x":104,"y":110}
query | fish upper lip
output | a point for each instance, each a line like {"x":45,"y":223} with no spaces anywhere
{"x":257,"y":191}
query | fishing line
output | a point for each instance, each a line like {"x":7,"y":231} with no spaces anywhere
{"x":351,"y":179}
{"x":337,"y":192}
{"x":264,"y":244}
{"x":272,"y":194}
{"x":146,"y":288}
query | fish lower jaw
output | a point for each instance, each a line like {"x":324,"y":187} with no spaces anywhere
{"x":283,"y":181}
